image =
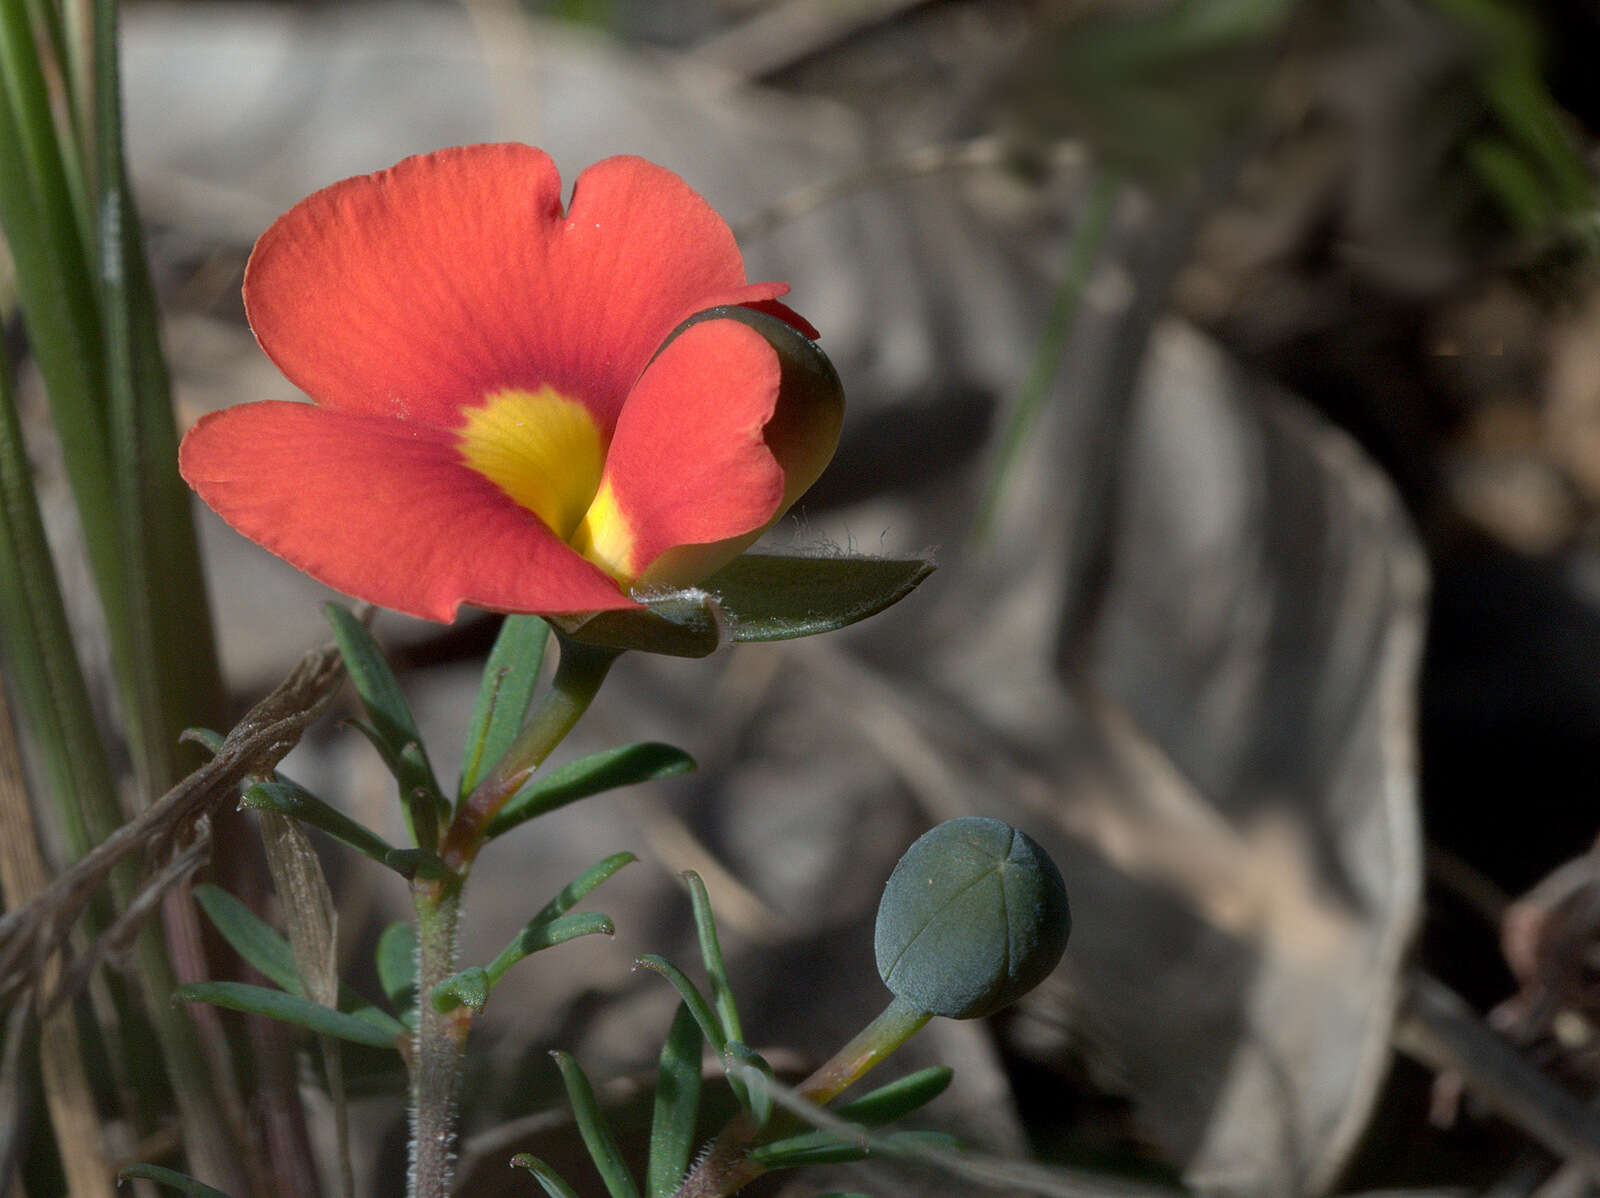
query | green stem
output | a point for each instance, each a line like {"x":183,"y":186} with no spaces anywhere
{"x":727,"y":1166}
{"x":440,"y":1043}
{"x":895,"y":1024}
{"x":582,"y":669}
{"x":441,"y":1039}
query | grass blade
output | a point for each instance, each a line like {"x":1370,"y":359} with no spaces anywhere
{"x":38,"y":648}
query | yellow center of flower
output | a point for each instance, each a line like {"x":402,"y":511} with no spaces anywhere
{"x":546,"y":452}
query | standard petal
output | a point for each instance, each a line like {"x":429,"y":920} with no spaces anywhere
{"x":688,"y":464}
{"x":417,"y":291}
{"x":383,"y":511}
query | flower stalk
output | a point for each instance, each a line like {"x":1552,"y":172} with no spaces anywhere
{"x":441,"y":1036}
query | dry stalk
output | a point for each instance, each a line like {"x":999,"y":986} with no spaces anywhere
{"x":168,"y":838}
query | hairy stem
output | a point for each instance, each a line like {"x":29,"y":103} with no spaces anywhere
{"x":727,"y":1166}
{"x":440,"y":1041}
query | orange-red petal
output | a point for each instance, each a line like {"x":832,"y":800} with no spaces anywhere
{"x":384,"y":511}
{"x":416,"y":291}
{"x":688,"y":464}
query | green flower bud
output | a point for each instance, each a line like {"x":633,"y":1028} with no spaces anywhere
{"x":974,"y":916}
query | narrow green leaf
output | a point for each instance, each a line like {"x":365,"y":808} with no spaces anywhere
{"x":809,"y":1148}
{"x":393,"y":731}
{"x":250,"y":936}
{"x":898,"y":1098}
{"x":374,"y":680}
{"x":709,"y":1027}
{"x":172,"y":1180}
{"x":509,"y":679}
{"x":537,"y":936}
{"x":550,"y":927}
{"x":606,"y":770}
{"x":420,"y":800}
{"x":469,"y":988}
{"x":369,"y":1026}
{"x":596,"y":1134}
{"x":397,"y":966}
{"x":290,"y":799}
{"x":705,"y":927}
{"x":677,"y":1106}
{"x":580,"y":887}
{"x":547,"y":1177}
{"x":686,"y":623}
{"x":752,"y":1083}
{"x":825,"y":1148}
{"x":259,"y":943}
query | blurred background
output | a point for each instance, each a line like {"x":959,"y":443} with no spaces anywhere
{"x":1240,"y":360}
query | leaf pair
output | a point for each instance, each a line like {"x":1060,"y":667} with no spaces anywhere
{"x":355,"y":1019}
{"x":550,"y":927}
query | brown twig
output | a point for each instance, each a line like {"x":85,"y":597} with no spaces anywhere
{"x":31,"y":934}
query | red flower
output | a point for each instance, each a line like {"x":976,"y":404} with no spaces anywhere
{"x":502,"y":416}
